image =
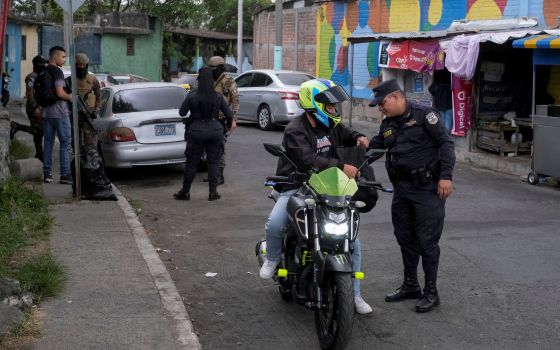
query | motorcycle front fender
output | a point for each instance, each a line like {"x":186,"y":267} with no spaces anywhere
{"x":341,"y":262}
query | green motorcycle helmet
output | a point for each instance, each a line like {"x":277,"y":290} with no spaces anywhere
{"x":315,"y":94}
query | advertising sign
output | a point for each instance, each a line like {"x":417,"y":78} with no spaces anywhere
{"x":418,"y":56}
{"x":462,"y":96}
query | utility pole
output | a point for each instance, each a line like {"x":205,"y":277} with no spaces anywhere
{"x":278,"y":42}
{"x":240,"y":36}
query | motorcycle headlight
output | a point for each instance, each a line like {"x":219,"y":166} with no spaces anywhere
{"x":336,"y":229}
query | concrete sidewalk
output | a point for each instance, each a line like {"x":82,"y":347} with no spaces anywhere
{"x":119,"y":294}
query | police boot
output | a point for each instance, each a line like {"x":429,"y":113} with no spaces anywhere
{"x":221,"y":176}
{"x":182,"y":196}
{"x":213,"y":195}
{"x":410,"y":289}
{"x":14,"y":127}
{"x":430,"y":299}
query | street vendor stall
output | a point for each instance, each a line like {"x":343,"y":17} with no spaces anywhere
{"x":546,"y":105}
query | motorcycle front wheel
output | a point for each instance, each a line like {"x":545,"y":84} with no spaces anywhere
{"x":334,"y":321}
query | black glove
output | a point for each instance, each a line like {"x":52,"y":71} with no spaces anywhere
{"x":93,"y":114}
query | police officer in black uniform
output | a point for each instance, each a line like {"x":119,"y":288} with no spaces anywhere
{"x":420,"y":160}
{"x":204,"y":132}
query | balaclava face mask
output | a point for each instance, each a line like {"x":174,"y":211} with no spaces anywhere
{"x":216,"y":72}
{"x":82,"y":72}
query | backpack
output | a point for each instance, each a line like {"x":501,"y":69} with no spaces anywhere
{"x":43,"y":86}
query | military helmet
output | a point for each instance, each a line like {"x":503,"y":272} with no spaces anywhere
{"x":81,"y":58}
{"x":216,"y":61}
{"x":39,"y":60}
{"x":315,"y":94}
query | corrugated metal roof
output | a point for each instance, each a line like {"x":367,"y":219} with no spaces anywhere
{"x":398,"y":36}
{"x":205,"y":34}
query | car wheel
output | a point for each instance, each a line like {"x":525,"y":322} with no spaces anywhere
{"x":264,"y":117}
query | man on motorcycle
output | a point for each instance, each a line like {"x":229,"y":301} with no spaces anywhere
{"x":310,"y":140}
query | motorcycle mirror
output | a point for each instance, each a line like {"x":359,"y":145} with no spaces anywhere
{"x":278,"y":151}
{"x":275,"y":150}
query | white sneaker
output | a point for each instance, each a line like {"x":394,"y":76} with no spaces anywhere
{"x":361,"y":306}
{"x":268,"y":269}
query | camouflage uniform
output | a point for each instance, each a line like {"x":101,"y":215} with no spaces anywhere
{"x":90,"y":91}
{"x":227,"y":87}
{"x":34,"y":114}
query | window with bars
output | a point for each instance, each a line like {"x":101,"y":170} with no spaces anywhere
{"x":130,"y":46}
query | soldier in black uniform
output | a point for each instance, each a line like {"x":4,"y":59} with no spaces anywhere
{"x":204,"y":132}
{"x":420,"y":160}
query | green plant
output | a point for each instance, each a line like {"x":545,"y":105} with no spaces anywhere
{"x":42,"y":276}
{"x":23,"y":217}
{"x":19,"y":150}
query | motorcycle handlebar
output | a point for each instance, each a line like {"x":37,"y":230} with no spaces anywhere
{"x":373,"y":184}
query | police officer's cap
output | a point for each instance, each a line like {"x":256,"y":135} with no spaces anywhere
{"x":81,"y":58}
{"x":216,"y":61}
{"x":382,"y":90}
{"x":39,"y":60}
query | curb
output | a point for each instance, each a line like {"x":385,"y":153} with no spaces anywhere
{"x":170,"y":297}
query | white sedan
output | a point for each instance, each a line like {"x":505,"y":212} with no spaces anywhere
{"x":139,"y":124}
{"x":269,"y":96}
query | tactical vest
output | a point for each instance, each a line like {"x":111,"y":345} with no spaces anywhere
{"x":85,"y":90}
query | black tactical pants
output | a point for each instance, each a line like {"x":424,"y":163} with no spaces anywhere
{"x":418,"y":214}
{"x":203,"y":135}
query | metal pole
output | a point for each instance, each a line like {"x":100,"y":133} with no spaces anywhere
{"x":278,"y":41}
{"x":351,"y":83}
{"x":75,"y":129}
{"x":240,"y":36}
{"x":297,"y":37}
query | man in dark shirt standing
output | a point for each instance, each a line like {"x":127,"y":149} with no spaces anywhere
{"x":56,"y":119}
{"x":420,"y":160}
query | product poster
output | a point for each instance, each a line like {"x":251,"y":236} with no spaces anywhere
{"x":462,"y":97}
{"x":418,"y":56}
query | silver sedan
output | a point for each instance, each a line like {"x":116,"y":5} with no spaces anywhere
{"x":270,"y":96}
{"x":139,"y":124}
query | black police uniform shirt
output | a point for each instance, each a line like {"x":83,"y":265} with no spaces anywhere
{"x":417,"y":139}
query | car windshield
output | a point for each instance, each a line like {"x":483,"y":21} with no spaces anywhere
{"x":148,"y":99}
{"x":293,"y":78}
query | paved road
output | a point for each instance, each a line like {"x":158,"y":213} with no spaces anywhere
{"x":499,"y":277}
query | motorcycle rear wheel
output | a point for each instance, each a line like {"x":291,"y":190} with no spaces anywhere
{"x":335,"y":320}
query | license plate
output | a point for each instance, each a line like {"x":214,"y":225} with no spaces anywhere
{"x":165,"y":129}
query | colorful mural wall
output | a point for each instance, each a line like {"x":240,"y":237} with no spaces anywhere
{"x":338,"y":20}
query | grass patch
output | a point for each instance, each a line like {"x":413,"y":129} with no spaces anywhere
{"x":42,"y":276}
{"x":135,"y":204}
{"x":19,"y":150}
{"x":24,"y":217}
{"x":25,"y":225}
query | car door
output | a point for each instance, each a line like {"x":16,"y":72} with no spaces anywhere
{"x":264,"y":94}
{"x":243,"y":84}
{"x":101,"y":123}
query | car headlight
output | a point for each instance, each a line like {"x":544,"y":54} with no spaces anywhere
{"x":336,"y":229}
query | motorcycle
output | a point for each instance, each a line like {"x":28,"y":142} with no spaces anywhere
{"x":316,"y":265}
{"x":5,"y":92}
